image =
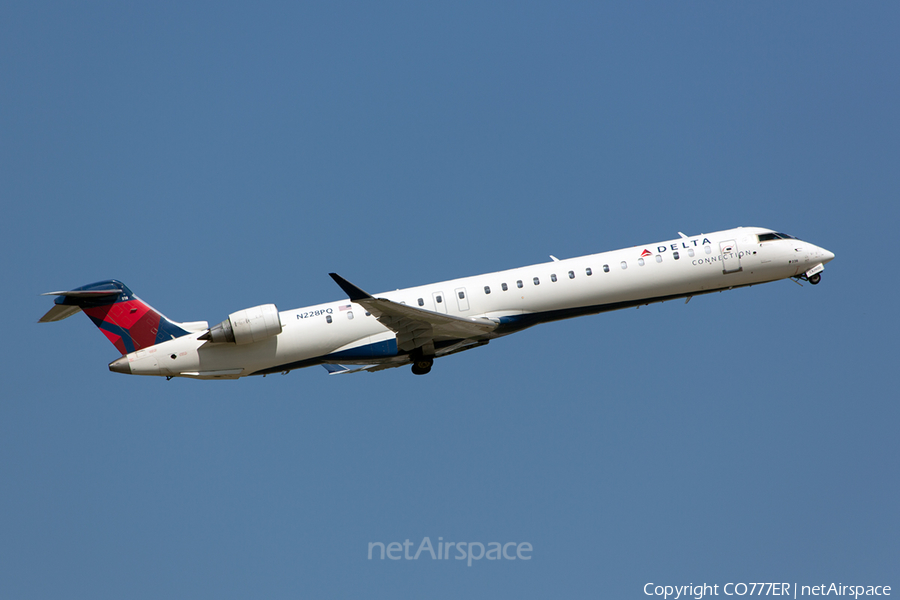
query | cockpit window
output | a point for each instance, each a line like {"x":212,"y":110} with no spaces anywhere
{"x":767,"y":237}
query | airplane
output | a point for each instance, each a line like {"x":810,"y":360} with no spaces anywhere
{"x":414,"y":326}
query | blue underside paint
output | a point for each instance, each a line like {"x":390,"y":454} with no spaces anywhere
{"x":376,"y":350}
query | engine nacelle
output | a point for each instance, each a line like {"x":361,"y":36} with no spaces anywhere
{"x":246,"y":326}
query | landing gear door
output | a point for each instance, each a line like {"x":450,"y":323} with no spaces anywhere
{"x":731,"y":258}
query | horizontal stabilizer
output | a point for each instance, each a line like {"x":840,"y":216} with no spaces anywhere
{"x":64,"y":309}
{"x":87,"y":294}
{"x":58,"y":313}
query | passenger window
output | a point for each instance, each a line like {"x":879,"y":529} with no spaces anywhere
{"x":421,"y":302}
{"x":691,"y":252}
{"x":349,"y":315}
{"x":438,"y":299}
{"x":519,"y":283}
{"x":588,"y":272}
{"x":571,"y":274}
{"x":504,"y":287}
{"x":707,"y":249}
{"x":462,"y":295}
{"x":624,"y":265}
{"x":640,"y":262}
{"x":606,"y":268}
{"x":328,"y":318}
{"x":487,"y":289}
{"x":537,"y":281}
{"x":659,"y":257}
{"x":553,"y":278}
{"x":675,"y":255}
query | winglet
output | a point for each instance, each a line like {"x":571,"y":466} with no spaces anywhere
{"x":353,"y":292}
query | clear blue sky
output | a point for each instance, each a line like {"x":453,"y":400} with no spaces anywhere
{"x":218,"y":156}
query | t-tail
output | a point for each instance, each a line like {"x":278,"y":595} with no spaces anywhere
{"x":126,"y":320}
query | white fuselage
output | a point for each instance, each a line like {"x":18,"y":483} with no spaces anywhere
{"x":343,"y":332}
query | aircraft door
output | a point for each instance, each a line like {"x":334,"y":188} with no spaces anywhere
{"x":731,"y":259}
{"x":440,"y":302}
{"x":462,"y":298}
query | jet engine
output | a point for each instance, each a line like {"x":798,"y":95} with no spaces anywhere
{"x":246,"y":326}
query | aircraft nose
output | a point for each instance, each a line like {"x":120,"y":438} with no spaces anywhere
{"x":826,"y":255}
{"x":120,"y":365}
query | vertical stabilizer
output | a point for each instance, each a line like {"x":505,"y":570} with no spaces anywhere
{"x":126,"y":320}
